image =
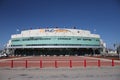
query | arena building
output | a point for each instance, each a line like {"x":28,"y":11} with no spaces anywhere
{"x":55,"y":41}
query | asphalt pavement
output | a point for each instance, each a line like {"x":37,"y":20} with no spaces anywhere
{"x":89,"y":73}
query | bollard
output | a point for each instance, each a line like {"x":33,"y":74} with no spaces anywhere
{"x":11,"y":63}
{"x":99,"y":63}
{"x":55,"y":64}
{"x":40,"y":63}
{"x":85,"y":63}
{"x":70,"y":63}
{"x":113,"y":62}
{"x":26,"y":64}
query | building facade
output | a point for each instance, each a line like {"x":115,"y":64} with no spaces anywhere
{"x":55,"y":41}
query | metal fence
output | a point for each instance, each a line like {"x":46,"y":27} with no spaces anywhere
{"x":57,"y":63}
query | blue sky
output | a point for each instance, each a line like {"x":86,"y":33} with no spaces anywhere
{"x":102,"y":15}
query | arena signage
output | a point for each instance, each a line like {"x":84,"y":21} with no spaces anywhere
{"x":49,"y":30}
{"x":53,"y":30}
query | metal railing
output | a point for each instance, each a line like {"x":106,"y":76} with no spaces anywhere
{"x":57,"y":63}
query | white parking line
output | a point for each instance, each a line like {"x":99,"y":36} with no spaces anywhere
{"x":15,"y":58}
{"x":100,"y":59}
{"x":85,"y":57}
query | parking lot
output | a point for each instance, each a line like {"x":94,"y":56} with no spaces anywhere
{"x":91,"y":73}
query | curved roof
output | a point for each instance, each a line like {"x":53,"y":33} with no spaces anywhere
{"x":55,"y":32}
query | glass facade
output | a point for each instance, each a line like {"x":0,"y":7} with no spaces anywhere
{"x":56,"y":41}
